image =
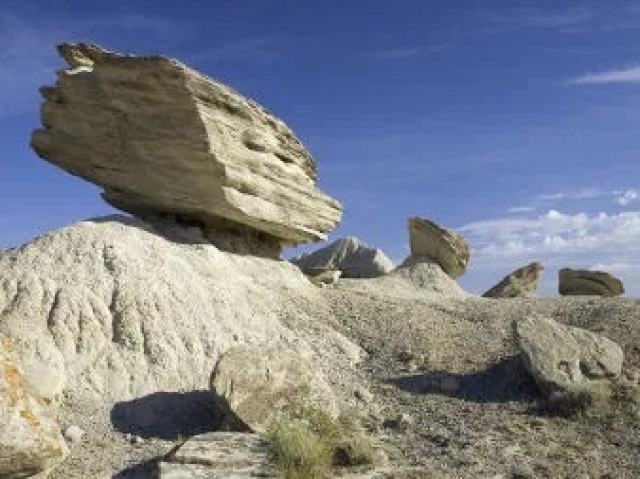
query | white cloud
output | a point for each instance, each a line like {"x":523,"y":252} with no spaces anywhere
{"x":627,"y":75}
{"x":625,"y":197}
{"x":555,"y":232}
{"x":521,"y":209}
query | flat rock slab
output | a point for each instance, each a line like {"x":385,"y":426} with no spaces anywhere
{"x":219,"y":455}
{"x":161,"y":138}
{"x":564,"y":358}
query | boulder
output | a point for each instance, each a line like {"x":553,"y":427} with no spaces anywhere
{"x":565,"y":358}
{"x":256,"y":385}
{"x":30,"y":439}
{"x":321,"y":278}
{"x":165,"y":140}
{"x":443,"y":246}
{"x":581,"y":282}
{"x":354,"y":258}
{"x":522,"y":282}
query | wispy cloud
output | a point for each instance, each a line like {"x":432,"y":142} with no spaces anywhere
{"x":623,"y":198}
{"x":626,"y":75}
{"x":534,"y":18}
{"x":520,"y":209}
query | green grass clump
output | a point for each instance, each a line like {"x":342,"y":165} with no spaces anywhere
{"x":308,"y":443}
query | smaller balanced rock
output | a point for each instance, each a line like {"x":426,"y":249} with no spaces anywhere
{"x":443,"y":246}
{"x":580,"y":282}
{"x":522,"y":282}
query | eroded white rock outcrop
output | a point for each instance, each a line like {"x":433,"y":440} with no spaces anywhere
{"x":161,"y":138}
{"x":118,"y":310}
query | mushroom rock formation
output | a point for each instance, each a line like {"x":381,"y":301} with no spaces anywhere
{"x":165,"y":140}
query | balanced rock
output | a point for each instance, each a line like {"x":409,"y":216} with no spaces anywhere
{"x":443,"y":246}
{"x":30,"y":439}
{"x":522,"y":282}
{"x":565,"y":358}
{"x":163,"y":139}
{"x":354,"y":258}
{"x":257,"y":384}
{"x":581,"y":282}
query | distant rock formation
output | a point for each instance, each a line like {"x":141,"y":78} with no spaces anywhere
{"x":522,"y":282}
{"x":163,"y":139}
{"x":581,"y":282}
{"x":443,"y":246}
{"x":354,"y":258}
{"x":564,"y":358}
{"x":30,"y":439}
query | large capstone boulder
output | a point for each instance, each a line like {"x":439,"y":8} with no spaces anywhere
{"x":443,"y":246}
{"x":258,"y":384}
{"x":564,"y":358}
{"x":163,"y":139}
{"x":523,"y":282}
{"x":352,"y":257}
{"x":581,"y":282}
{"x":30,"y":439}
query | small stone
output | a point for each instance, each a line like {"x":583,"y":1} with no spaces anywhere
{"x":401,"y":422}
{"x":406,"y":355}
{"x":137,"y":440}
{"x":73,"y":434}
{"x":363,"y":395}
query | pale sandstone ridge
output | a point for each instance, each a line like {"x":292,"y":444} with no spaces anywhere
{"x":443,"y":246}
{"x":565,"y":358}
{"x":522,"y":282}
{"x":161,"y":138}
{"x":581,"y":282}
{"x":30,"y":440}
{"x":351,"y":256}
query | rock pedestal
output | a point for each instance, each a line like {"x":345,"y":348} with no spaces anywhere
{"x":580,"y":282}
{"x":523,"y":282}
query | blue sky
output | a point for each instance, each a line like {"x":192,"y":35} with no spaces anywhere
{"x":514,"y":122}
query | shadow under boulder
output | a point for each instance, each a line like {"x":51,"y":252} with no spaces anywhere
{"x":504,"y":381}
{"x":168,"y":415}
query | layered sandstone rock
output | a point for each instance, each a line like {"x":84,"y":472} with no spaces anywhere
{"x":352,"y":257}
{"x":579,"y":282}
{"x":161,"y":138}
{"x":443,"y":246}
{"x":522,"y":282}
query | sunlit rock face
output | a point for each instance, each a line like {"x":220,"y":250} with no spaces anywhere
{"x":161,"y":138}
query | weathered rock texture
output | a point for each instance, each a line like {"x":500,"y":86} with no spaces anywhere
{"x":443,"y":246}
{"x":581,"y":282}
{"x":523,"y":282}
{"x":258,"y":384}
{"x":30,"y":439}
{"x":162,"y":138}
{"x":354,"y":258}
{"x":120,"y":311}
{"x":565,"y":358}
